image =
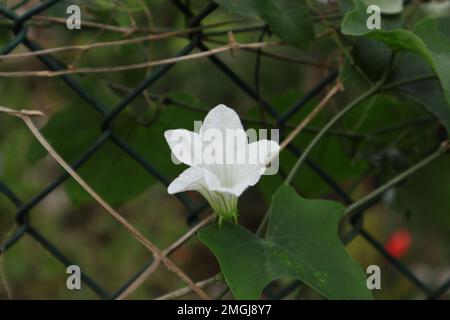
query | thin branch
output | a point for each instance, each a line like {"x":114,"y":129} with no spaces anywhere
{"x":105,"y":44}
{"x":25,"y":116}
{"x":48,"y":74}
{"x":140,"y":280}
{"x":445,"y":147}
{"x":400,"y":83}
{"x":408,"y":124}
{"x":257,"y":27}
{"x":85,"y":47}
{"x":223,"y":293}
{"x":92,"y":24}
{"x":334,"y":90}
{"x":124,"y":30}
{"x":21,"y":113}
{"x":186,"y":290}
{"x":3,"y":280}
{"x":169,"y":250}
{"x":191,"y":232}
{"x":277,"y":56}
{"x":328,"y":126}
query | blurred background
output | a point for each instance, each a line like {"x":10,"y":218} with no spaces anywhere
{"x":376,"y":141}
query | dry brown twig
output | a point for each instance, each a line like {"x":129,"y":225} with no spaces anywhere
{"x":3,"y":284}
{"x":104,"y":44}
{"x":154,"y":36}
{"x":26,"y":115}
{"x":280,"y":57}
{"x":186,"y":290}
{"x":232,"y":46}
{"x":91,"y":24}
{"x":169,"y":250}
{"x":21,"y":113}
{"x":334,"y":90}
{"x":125,"y":30}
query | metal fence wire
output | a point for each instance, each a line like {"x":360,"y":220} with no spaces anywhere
{"x":24,"y":208}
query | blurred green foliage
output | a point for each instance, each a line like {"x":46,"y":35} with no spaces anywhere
{"x":378,"y":139}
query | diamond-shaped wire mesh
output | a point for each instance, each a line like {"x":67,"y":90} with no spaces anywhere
{"x":107,"y":134}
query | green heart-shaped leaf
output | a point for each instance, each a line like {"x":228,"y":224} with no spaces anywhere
{"x":301,"y":242}
{"x":428,"y":39}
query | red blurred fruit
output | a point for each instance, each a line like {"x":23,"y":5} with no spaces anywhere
{"x":399,"y":243}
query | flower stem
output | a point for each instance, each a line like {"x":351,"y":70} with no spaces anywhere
{"x":442,"y":150}
{"x":262,"y":224}
{"x":400,"y":83}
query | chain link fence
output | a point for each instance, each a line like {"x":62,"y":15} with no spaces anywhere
{"x":107,"y":134}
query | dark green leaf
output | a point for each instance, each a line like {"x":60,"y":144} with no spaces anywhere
{"x":438,"y":48}
{"x":427,"y":40}
{"x":290,"y":20}
{"x":427,"y":92}
{"x":301,"y":242}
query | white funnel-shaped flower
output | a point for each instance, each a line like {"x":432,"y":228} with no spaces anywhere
{"x":222,"y":161}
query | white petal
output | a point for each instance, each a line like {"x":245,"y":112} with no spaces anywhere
{"x":246,"y":175}
{"x":222,"y":118}
{"x":212,"y":181}
{"x":236,"y":178}
{"x":189,"y":179}
{"x":223,"y":133}
{"x":241,"y":176}
{"x":185,"y":145}
{"x":262,"y":151}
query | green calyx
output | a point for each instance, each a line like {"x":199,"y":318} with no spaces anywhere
{"x":228,"y":217}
